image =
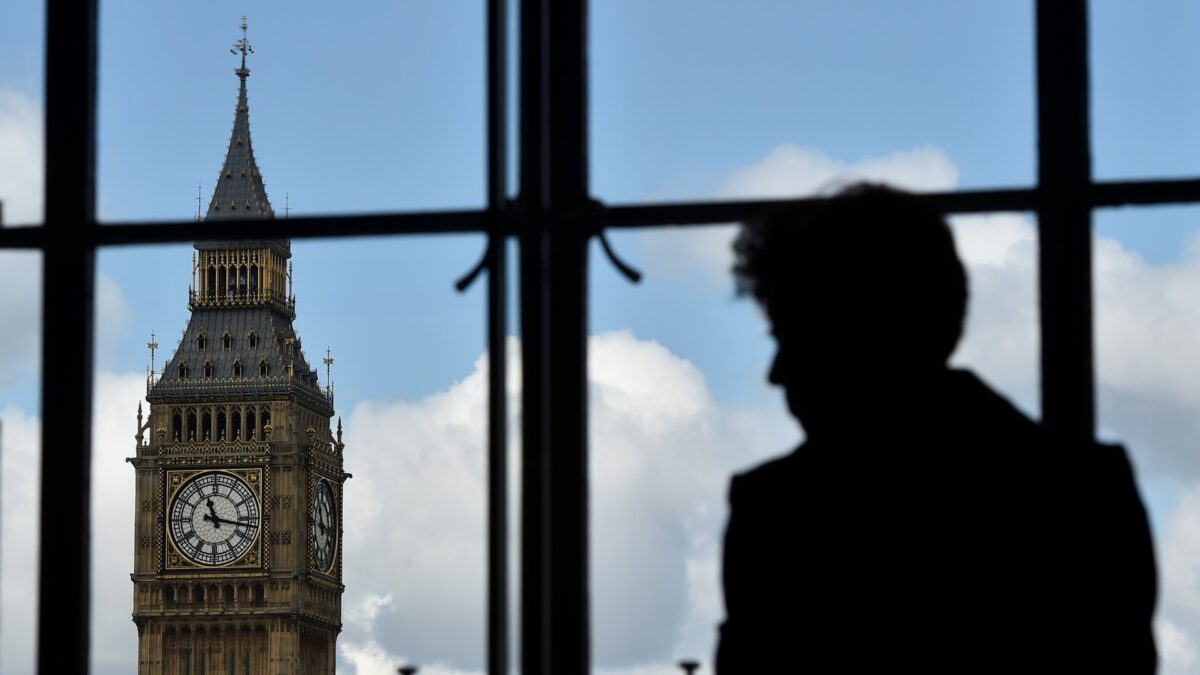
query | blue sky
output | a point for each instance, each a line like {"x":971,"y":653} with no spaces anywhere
{"x":380,"y":107}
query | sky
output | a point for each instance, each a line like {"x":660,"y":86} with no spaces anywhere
{"x":382,"y":108}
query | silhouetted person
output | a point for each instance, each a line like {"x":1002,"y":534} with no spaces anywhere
{"x":925,"y":525}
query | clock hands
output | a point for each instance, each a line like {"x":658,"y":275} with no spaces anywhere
{"x":217,"y":520}
{"x":211,"y":516}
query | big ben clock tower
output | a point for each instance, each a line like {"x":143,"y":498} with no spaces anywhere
{"x":237,"y":547}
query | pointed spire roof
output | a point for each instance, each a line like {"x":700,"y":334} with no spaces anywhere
{"x":240,"y":192}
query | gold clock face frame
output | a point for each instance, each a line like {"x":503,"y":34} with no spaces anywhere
{"x":214,"y":518}
{"x":324,"y":531}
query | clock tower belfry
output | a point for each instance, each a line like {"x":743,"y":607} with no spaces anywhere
{"x":238,"y":507}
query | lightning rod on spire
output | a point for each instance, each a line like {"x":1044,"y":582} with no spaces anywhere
{"x":244,"y":47}
{"x":328,"y":372}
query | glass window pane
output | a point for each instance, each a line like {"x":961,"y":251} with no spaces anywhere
{"x":1145,"y":69}
{"x":808,"y":92}
{"x":408,"y":537}
{"x":20,"y":455}
{"x":680,"y":402}
{"x":22,"y":69}
{"x":1147,"y":271}
{"x":380,"y":109}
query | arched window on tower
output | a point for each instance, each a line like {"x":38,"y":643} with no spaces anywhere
{"x":191,"y":426}
{"x":228,"y":594}
{"x":253,"y":340}
{"x":176,"y":426}
{"x":254,"y":281}
{"x":251,"y":424}
{"x":226,"y":341}
{"x":169,"y":595}
{"x":201,"y":342}
{"x":206,"y":426}
{"x":208,"y":369}
{"x":210,"y":288}
{"x":221,"y":425}
{"x":235,"y":426}
{"x":237,"y":368}
{"x":260,"y":593}
{"x":242,"y":281}
{"x":183,"y":371}
{"x":266,"y":422}
{"x":264,"y":369}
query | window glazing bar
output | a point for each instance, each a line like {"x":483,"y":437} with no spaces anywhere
{"x":67,"y":312}
{"x":497,"y":337}
{"x":1065,"y":217}
{"x":553,"y":203}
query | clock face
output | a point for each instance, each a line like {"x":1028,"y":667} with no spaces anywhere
{"x":324,"y":526}
{"x":214,"y":518}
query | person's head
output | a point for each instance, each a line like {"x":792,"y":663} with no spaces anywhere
{"x":864,"y":292}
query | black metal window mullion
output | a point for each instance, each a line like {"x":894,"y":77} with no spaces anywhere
{"x":557,"y":221}
{"x":67,"y":322}
{"x":497,"y":337}
{"x":1065,"y":217}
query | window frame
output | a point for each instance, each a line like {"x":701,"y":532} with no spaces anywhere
{"x":552,"y":220}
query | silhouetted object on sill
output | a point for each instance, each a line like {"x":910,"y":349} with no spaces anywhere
{"x":925,"y":521}
{"x":407,"y":670}
{"x":689,"y":667}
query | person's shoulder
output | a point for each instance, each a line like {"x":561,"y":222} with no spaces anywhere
{"x":1085,"y":458}
{"x":767,"y":477}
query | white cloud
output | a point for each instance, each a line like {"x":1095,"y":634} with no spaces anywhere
{"x":21,"y":158}
{"x":417,"y":504}
{"x":703,"y":254}
{"x":113,"y":318}
{"x":1177,"y":627}
{"x":1176,"y":649}
{"x":792,"y":171}
{"x":1000,"y":340}
{"x":19,"y":495}
{"x":114,"y":638}
{"x":114,"y":425}
{"x":20,"y":315}
{"x":366,"y":610}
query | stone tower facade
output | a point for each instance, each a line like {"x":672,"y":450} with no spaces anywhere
{"x":238,"y":522}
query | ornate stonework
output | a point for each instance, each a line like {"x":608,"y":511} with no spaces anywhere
{"x":237,"y":558}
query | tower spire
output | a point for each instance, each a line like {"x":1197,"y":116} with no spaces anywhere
{"x":240,"y":192}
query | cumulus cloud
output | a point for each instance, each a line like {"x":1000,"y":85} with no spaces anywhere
{"x":21,"y":158}
{"x":1178,"y":626}
{"x":662,"y":450}
{"x":20,"y":315}
{"x":793,"y":170}
{"x":1176,"y":649}
{"x":19,"y":495}
{"x":703,"y":254}
{"x":114,"y":638}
